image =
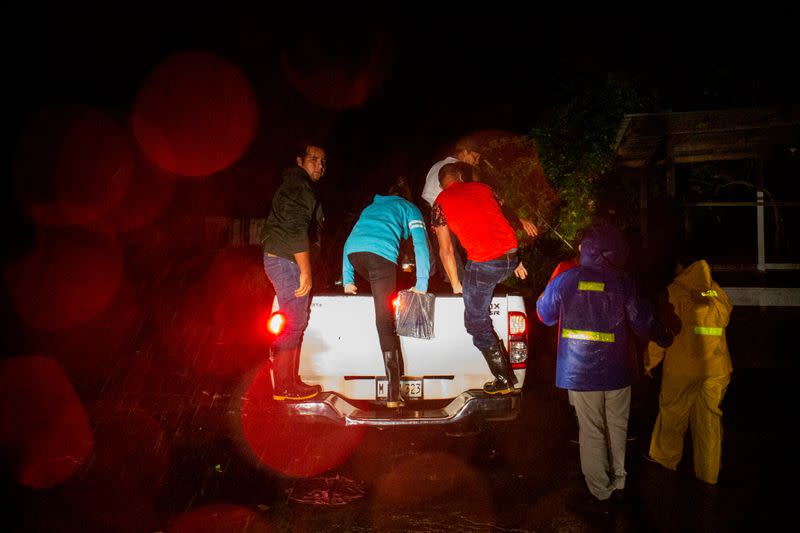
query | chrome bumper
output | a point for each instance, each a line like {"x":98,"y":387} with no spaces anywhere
{"x":335,"y":408}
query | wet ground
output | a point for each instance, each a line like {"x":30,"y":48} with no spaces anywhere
{"x":177,"y":450}
{"x":518,"y":476}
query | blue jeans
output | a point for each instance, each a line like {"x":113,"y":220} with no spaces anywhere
{"x":285,"y":278}
{"x":480,"y":279}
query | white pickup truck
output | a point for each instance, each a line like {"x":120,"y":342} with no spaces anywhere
{"x":444,"y":375}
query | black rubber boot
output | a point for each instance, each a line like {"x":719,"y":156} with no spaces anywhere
{"x":512,"y":378}
{"x":393,"y":362}
{"x":501,"y":368}
{"x":284,"y":386}
{"x":302,"y":389}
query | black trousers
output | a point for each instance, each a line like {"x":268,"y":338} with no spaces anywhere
{"x":382,"y":276}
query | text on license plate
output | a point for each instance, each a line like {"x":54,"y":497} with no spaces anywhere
{"x":409,"y":388}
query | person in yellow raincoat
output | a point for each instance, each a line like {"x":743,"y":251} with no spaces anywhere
{"x":696,"y":373}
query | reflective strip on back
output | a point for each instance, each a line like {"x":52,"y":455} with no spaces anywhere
{"x":597,"y":286}
{"x":587,"y":335}
{"x":710,"y":293}
{"x":705,"y":330}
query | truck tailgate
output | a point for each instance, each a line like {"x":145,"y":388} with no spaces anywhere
{"x":341,"y":351}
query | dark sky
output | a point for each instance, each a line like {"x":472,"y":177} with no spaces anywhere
{"x":426,"y":77}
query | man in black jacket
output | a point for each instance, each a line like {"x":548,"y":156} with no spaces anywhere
{"x":293,"y":228}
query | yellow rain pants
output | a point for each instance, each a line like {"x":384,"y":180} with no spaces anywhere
{"x":687,"y":401}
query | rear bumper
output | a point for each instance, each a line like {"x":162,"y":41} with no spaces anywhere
{"x":473,"y":403}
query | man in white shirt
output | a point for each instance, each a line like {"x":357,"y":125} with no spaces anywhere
{"x":466,"y":151}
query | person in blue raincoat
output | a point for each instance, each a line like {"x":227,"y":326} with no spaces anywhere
{"x":597,"y":306}
{"x":372,"y":250}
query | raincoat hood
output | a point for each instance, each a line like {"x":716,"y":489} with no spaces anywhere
{"x":603,"y":246}
{"x":696,"y":277}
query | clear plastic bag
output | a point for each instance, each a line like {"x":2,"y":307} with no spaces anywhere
{"x":415,"y":314}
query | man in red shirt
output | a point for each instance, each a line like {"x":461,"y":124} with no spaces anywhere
{"x":473,"y":213}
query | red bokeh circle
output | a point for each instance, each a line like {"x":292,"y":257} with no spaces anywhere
{"x":195,"y":114}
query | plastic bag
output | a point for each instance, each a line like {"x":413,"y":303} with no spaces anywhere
{"x":415,"y":314}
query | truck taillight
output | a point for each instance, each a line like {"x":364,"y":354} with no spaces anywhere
{"x":516,"y":323}
{"x":517,"y":339}
{"x":276,"y":323}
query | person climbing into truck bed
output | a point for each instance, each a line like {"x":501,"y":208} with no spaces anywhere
{"x":372,"y":250}
{"x":473,"y":213}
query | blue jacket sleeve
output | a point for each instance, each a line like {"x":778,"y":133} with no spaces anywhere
{"x":419,"y":236}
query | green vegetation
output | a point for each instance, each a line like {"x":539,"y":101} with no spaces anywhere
{"x":557,"y":173}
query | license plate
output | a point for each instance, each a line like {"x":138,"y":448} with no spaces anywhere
{"x":409,"y":388}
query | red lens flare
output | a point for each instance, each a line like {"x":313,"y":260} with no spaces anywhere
{"x":315,"y":66}
{"x":94,"y":350}
{"x":196,"y":114}
{"x":44,"y":424}
{"x":292,"y":445}
{"x":131,"y":458}
{"x":221,"y":518}
{"x":69,"y":278}
{"x":215,"y":326}
{"x":430,"y":477}
{"x":150,"y":191}
{"x":72,"y":166}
